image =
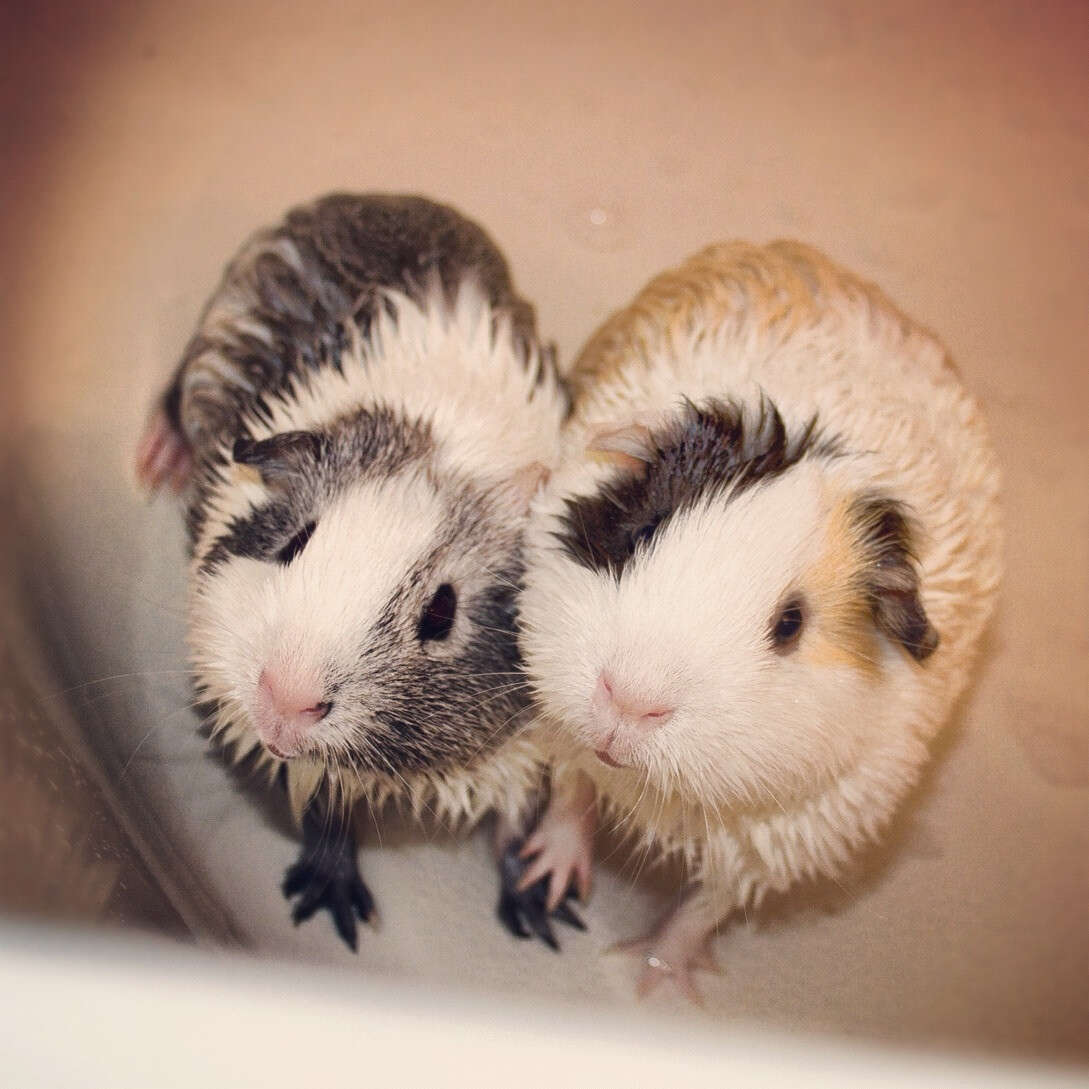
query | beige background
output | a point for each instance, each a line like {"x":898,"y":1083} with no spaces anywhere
{"x":942,"y":150}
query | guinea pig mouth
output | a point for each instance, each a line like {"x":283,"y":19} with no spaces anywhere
{"x":607,"y":754}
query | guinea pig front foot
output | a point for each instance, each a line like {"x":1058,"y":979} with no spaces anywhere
{"x":326,"y":876}
{"x":163,"y":456}
{"x":528,"y":911}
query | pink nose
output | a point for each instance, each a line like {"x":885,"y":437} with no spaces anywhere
{"x":645,"y":713}
{"x":287,"y":709}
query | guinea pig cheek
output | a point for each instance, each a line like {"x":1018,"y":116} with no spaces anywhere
{"x":227,"y":628}
{"x":273,"y":655}
{"x":830,"y":686}
{"x":564,"y":639}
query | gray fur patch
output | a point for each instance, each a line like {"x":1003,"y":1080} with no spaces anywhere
{"x":282,"y":306}
{"x":364,"y":445}
{"x":443,"y":706}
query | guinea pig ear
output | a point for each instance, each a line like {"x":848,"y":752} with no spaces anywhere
{"x":630,"y":447}
{"x":520,"y":488}
{"x":890,"y":578}
{"x":279,"y":458}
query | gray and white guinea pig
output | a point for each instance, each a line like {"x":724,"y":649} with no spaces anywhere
{"x":757,"y":582}
{"x":359,"y":424}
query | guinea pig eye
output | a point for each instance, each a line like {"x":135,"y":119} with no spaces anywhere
{"x":788,"y":625}
{"x":296,"y":544}
{"x":437,"y":618}
{"x":644,"y":533}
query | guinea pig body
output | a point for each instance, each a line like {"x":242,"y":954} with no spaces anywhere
{"x":758,"y":580}
{"x":367,"y":413}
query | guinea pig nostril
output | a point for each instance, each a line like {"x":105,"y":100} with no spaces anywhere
{"x":318,"y":711}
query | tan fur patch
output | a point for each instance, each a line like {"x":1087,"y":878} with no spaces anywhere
{"x":246,"y":474}
{"x":841,"y":631}
{"x":781,"y":284}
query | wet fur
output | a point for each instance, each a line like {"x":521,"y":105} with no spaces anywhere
{"x":366,"y":383}
{"x":288,"y":298}
{"x":883,"y":518}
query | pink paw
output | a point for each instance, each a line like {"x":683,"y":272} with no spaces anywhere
{"x":162,"y":457}
{"x":561,"y":846}
{"x":663,"y":957}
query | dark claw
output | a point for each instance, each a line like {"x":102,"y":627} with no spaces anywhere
{"x":361,"y":899}
{"x":344,"y":916}
{"x":566,"y":914}
{"x":543,"y":931}
{"x":297,"y":878}
{"x":526,"y":913}
{"x":509,"y":917}
{"x":326,"y":876}
{"x":313,"y":888}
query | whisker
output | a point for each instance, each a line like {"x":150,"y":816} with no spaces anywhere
{"x":501,"y":578}
{"x":511,"y":631}
{"x":94,"y":682}
{"x":502,"y":726}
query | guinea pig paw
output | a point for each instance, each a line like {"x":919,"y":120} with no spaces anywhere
{"x":162,"y":456}
{"x":561,"y":849}
{"x":328,"y":878}
{"x":526,"y":911}
{"x":664,"y":959}
{"x":656,"y":969}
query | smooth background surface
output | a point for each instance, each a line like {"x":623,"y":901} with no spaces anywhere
{"x":270,"y":1025}
{"x":941,"y":150}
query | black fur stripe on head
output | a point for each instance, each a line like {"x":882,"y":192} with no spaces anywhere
{"x":303,"y":471}
{"x":705,"y":450}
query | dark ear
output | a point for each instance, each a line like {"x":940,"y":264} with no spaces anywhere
{"x":890,"y":580}
{"x":280,"y":457}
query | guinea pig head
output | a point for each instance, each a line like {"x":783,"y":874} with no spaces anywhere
{"x":725,"y":610}
{"x":353,"y":597}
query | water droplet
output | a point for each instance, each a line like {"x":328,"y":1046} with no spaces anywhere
{"x":599,"y":225}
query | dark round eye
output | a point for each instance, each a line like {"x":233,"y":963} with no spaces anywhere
{"x":645,"y":532}
{"x":788,"y":625}
{"x":437,"y":618}
{"x":296,"y":544}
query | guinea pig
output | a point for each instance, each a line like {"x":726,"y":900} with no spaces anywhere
{"x":359,"y":423}
{"x":756,"y":583}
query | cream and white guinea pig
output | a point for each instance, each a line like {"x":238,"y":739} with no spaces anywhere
{"x":757,"y":582}
{"x":359,"y":423}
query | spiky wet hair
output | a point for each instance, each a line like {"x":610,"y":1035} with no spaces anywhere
{"x":703,"y":450}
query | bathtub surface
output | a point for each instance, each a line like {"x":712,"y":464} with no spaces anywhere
{"x":941,"y":150}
